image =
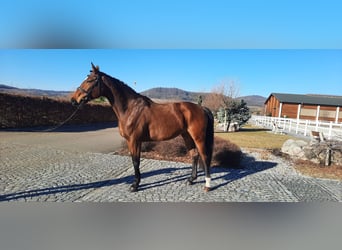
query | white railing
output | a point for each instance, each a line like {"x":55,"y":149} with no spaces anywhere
{"x":330,"y":130}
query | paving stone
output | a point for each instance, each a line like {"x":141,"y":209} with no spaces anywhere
{"x":41,"y":174}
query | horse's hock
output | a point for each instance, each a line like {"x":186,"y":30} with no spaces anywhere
{"x":325,"y":152}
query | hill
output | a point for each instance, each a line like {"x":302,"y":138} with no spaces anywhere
{"x":154,"y":93}
{"x":172,"y":94}
{"x":3,"y":86}
{"x":33,"y":92}
{"x":253,"y":100}
{"x":179,"y":94}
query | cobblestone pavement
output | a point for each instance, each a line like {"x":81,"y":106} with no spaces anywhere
{"x":42,"y":173}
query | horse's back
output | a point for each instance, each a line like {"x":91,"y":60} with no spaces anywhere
{"x":193,"y":112}
{"x":165,"y":121}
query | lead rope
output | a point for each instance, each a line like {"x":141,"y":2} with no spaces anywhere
{"x":87,"y":92}
{"x":62,"y":123}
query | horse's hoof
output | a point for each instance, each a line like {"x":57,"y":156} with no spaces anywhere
{"x":190,"y":182}
{"x":133,"y":188}
{"x":207,"y":189}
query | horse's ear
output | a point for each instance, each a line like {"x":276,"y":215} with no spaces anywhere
{"x":95,"y":69}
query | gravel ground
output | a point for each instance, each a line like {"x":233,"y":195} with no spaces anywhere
{"x":43,"y":173}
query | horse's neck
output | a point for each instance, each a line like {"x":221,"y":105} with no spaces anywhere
{"x":119,"y":96}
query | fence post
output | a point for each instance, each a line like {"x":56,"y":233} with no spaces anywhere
{"x":330,"y":130}
{"x":306,"y":127}
{"x":317,"y":122}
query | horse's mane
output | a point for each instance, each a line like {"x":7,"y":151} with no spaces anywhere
{"x":124,"y":88}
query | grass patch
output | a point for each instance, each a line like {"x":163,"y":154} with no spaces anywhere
{"x":255,"y":137}
{"x":318,"y":171}
{"x":259,"y":138}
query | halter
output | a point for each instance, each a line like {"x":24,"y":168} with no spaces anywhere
{"x":88,"y":92}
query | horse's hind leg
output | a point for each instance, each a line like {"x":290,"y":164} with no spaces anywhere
{"x":190,"y":145}
{"x":195,"y":161}
{"x":207,"y":186}
{"x":206,"y":164}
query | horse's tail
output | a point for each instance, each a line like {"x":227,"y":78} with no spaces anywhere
{"x":209,"y":142}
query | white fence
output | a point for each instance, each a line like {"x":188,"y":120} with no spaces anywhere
{"x":330,"y":130}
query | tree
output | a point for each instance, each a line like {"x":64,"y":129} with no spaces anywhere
{"x":223,"y":101}
{"x":237,"y":111}
{"x":200,"y":100}
{"x":213,"y":100}
{"x":221,"y":95}
{"x":242,"y":114}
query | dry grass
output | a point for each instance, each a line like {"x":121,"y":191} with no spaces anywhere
{"x":315,"y":170}
{"x":257,"y":138}
{"x":254,"y":137}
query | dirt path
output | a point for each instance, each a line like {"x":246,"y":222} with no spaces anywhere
{"x":95,"y":138}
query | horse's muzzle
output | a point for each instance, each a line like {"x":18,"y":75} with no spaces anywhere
{"x":74,"y":102}
{"x":84,"y":100}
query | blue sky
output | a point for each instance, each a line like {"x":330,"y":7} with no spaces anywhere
{"x":189,"y":24}
{"x":265,"y":46}
{"x":257,"y":72}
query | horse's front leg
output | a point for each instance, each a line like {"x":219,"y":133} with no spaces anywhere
{"x":137,"y":175}
{"x":135,"y":149}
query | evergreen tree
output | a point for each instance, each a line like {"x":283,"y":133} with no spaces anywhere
{"x":235,"y":111}
{"x":243,"y":113}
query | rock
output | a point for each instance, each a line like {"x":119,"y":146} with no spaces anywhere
{"x":320,"y":152}
{"x":316,"y":153}
{"x":336,"y":153}
{"x":324,"y":152}
{"x":294,"y":148}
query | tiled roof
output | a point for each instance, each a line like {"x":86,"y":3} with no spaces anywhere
{"x":308,"y":99}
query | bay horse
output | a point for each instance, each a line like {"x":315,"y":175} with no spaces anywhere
{"x":140,"y":119}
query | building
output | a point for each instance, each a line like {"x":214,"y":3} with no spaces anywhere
{"x":307,"y":107}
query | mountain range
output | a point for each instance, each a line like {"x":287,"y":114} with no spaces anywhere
{"x":33,"y":92}
{"x":179,"y":94}
{"x":154,"y":93}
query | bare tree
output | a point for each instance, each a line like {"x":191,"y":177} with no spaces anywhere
{"x":213,"y":101}
{"x":231,"y":89}
{"x":221,"y":95}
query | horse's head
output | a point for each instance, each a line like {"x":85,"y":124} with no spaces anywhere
{"x":89,"y":89}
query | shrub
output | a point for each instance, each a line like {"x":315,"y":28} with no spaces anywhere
{"x":172,"y":148}
{"x":148,"y":146}
{"x":226,"y":154}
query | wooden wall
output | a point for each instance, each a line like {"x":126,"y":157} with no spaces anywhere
{"x":272,"y":107}
{"x":327,"y":113}
{"x":307,"y":112}
{"x":289,"y":110}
